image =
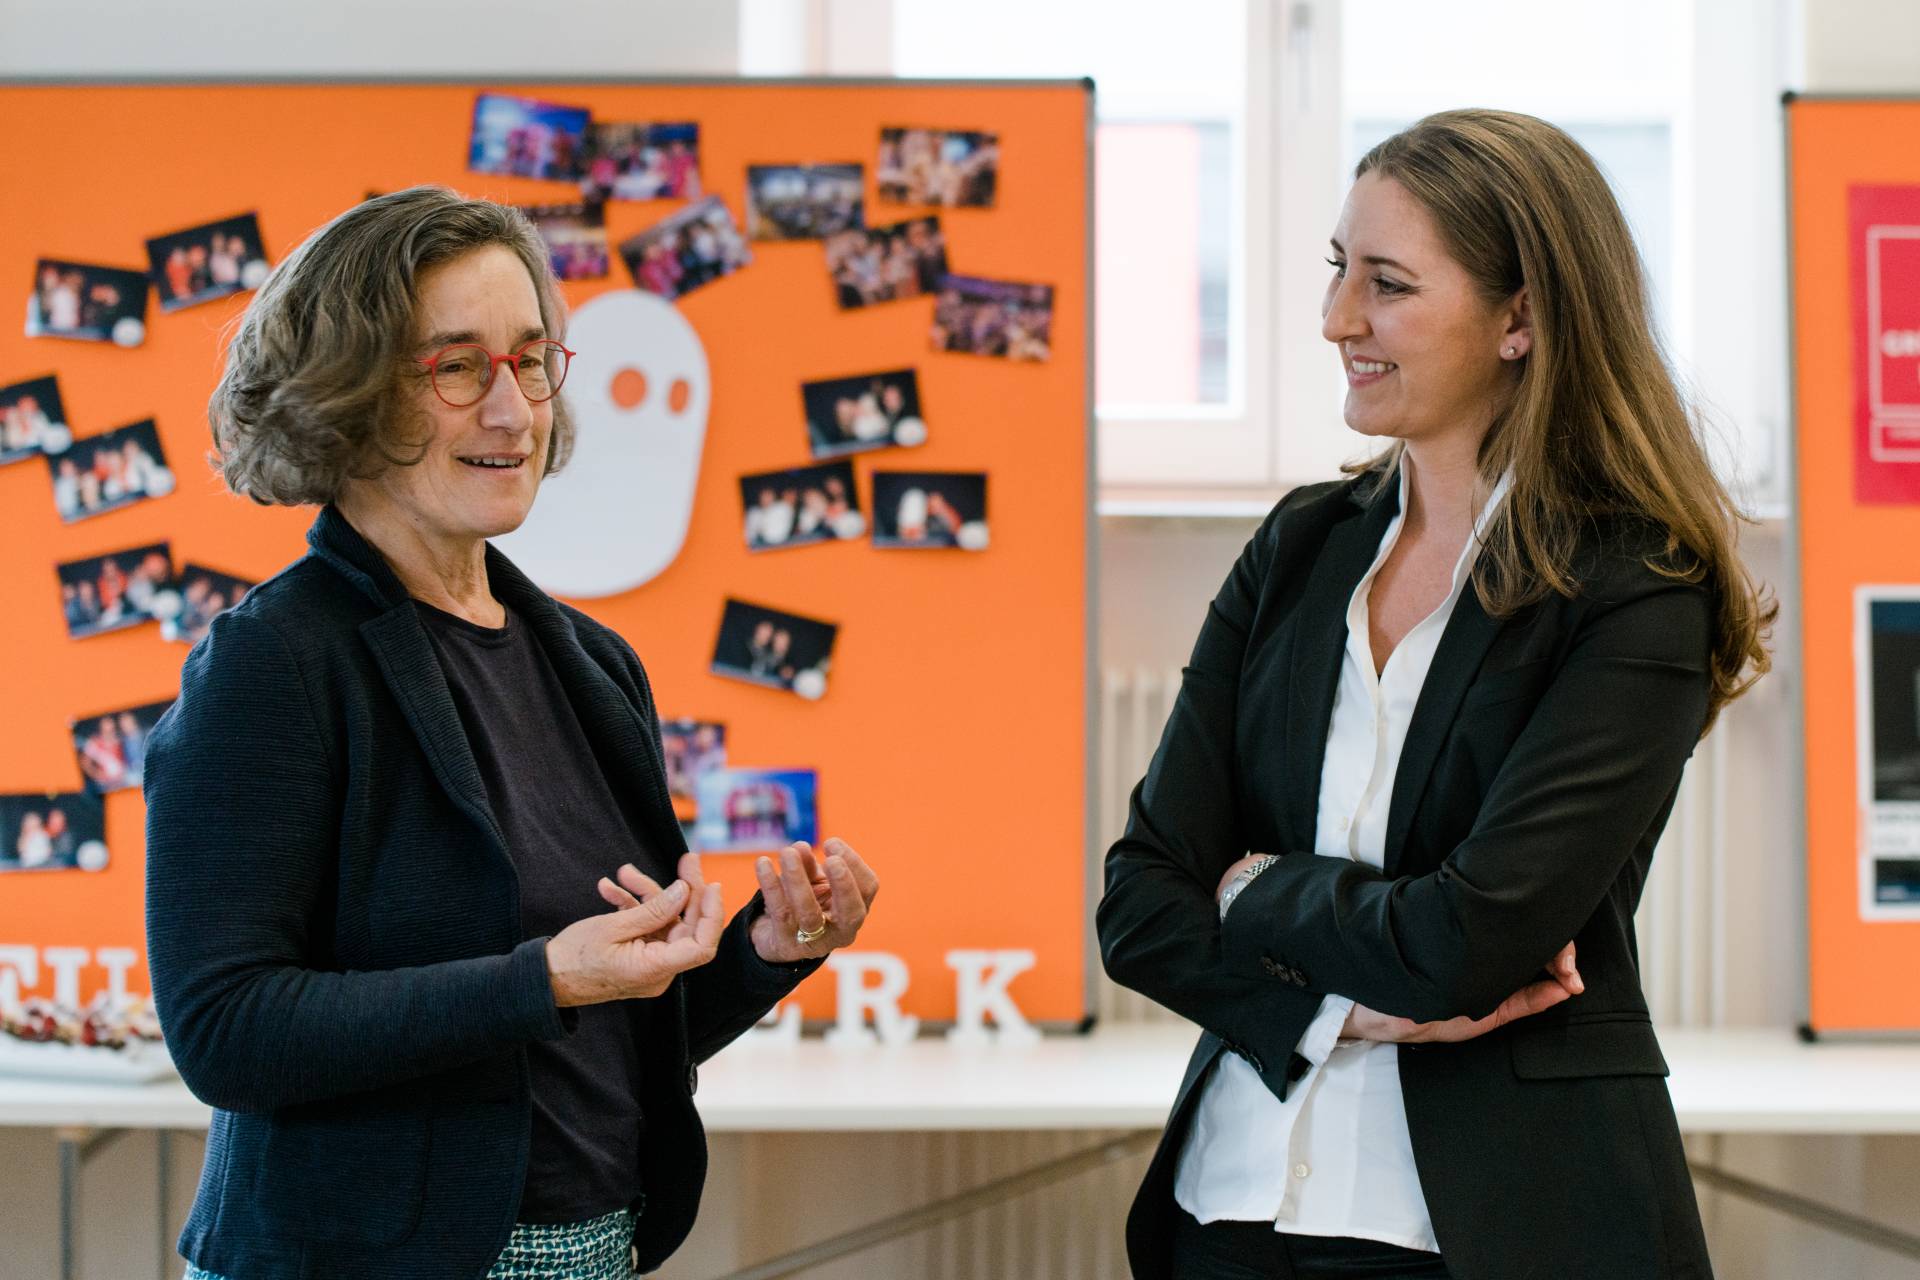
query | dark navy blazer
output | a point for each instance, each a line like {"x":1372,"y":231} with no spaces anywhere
{"x":334,"y":938}
{"x":1541,"y":763}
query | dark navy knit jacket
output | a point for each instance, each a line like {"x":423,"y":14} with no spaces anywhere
{"x":334,"y":939}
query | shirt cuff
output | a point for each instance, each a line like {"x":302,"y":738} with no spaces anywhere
{"x":1317,"y":1042}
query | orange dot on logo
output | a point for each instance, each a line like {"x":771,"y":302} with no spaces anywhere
{"x":629,"y":388}
{"x":678,"y":394}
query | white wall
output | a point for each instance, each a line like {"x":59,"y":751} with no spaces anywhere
{"x":353,"y":38}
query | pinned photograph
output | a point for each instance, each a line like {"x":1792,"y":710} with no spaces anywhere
{"x":53,"y":832}
{"x":696,"y":246}
{"x":628,"y":161}
{"x":692,"y":750}
{"x":1887,"y":711}
{"x":803,"y":202}
{"x":114,"y":469}
{"x":885,"y":264}
{"x":92,"y":303}
{"x":525,"y":138}
{"x":779,"y":650}
{"x":32,"y":419}
{"x":800,"y":506}
{"x":112,"y":746}
{"x":204,"y":595}
{"x":930,"y":509}
{"x":953,"y":167}
{"x":867,"y":411}
{"x":756,"y":810}
{"x":576,"y":236}
{"x":116,"y":590}
{"x":994,"y":318}
{"x":207,"y":262}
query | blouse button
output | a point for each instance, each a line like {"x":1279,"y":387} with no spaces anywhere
{"x":1301,"y":1170}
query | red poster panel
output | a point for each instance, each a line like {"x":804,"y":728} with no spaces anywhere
{"x":1884,"y":240}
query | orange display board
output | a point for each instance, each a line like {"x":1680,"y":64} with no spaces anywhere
{"x":1854,"y":195}
{"x":952,"y":742}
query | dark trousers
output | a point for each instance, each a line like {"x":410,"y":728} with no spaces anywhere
{"x":1255,"y":1251}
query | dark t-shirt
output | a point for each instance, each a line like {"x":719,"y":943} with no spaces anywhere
{"x":564,"y":831}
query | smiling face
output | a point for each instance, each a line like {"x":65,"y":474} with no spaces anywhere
{"x":1425,"y":351}
{"x":483,"y":462}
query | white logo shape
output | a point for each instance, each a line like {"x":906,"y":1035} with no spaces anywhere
{"x":617,"y":515}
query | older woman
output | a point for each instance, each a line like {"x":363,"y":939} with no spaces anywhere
{"x":399,"y":790}
{"x":1447,"y":702}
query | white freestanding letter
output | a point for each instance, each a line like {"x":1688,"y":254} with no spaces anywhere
{"x":116,"y":961}
{"x":981,"y":988}
{"x":19,"y":966}
{"x":855,"y":998}
{"x":66,"y":963}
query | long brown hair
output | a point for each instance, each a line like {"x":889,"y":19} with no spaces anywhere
{"x":1595,"y":426}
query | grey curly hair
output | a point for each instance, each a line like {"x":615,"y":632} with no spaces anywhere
{"x":308,"y":400}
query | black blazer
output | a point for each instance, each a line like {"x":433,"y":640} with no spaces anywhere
{"x":1542,"y":761}
{"x":334,"y":939}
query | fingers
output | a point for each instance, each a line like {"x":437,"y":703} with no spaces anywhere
{"x":689,"y":870}
{"x":653,"y":914}
{"x":805,"y":908}
{"x":1537,"y":997}
{"x":615,"y":895}
{"x":637,"y":882}
{"x":1563,"y":971}
{"x":849,"y":907}
{"x":863,"y":876}
{"x":706,"y":930}
{"x":773,"y":893}
{"x":696,"y":941}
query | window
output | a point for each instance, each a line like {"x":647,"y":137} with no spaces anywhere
{"x":1170,"y":96}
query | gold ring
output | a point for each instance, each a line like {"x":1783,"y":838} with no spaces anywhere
{"x":807,"y":937}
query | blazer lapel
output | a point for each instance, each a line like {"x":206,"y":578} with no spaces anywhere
{"x":1318,"y":645}
{"x":1463,"y":645}
{"x":406,"y":660}
{"x":405,"y":657}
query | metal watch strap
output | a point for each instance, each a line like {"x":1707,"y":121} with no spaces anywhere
{"x":1242,"y":880}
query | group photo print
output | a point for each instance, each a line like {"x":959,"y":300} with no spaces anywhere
{"x":63,"y":831}
{"x":774,"y":648}
{"x":101,"y":473}
{"x":799,"y":506}
{"x":863,"y":412}
{"x":89,"y":302}
{"x":32,"y":419}
{"x":119,"y":589}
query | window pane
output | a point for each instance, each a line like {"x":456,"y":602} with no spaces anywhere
{"x":1618,"y":98}
{"x":1169,"y":98}
{"x":1638,"y":162}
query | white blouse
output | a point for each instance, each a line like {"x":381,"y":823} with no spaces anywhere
{"x":1334,"y":1159}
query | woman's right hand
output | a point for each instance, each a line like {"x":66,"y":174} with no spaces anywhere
{"x":1562,"y":983}
{"x":636,"y":951}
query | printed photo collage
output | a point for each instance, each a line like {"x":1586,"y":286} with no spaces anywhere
{"x":727,"y":808}
{"x":89,"y":476}
{"x":92,"y":302}
{"x":866,"y":263}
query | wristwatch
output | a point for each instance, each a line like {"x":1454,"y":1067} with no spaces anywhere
{"x":1243,"y":879}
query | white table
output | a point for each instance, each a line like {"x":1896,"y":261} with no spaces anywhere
{"x":1122,"y":1077}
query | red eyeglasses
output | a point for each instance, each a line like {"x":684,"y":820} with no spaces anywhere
{"x":463,"y":374}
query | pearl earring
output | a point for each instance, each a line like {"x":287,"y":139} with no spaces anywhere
{"x":1512,"y":352}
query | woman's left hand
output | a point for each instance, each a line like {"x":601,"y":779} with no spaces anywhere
{"x":805,"y":894}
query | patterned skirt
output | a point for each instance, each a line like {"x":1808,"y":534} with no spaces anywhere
{"x":601,"y":1249}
